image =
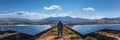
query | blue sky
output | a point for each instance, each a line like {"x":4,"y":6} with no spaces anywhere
{"x":93,"y":9}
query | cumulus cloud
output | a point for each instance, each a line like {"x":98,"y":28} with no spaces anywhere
{"x":89,"y":9}
{"x":20,"y":14}
{"x":93,"y":17}
{"x":52,"y":7}
{"x":32,"y":15}
{"x":35,"y":15}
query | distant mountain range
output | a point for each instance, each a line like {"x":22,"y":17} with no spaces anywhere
{"x":65,"y":19}
{"x":111,"y":19}
{"x":56,"y":19}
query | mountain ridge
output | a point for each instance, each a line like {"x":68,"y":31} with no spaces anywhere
{"x":56,"y":19}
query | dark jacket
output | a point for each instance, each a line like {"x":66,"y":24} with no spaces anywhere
{"x":60,"y":26}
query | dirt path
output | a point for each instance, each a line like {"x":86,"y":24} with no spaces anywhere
{"x":67,"y":35}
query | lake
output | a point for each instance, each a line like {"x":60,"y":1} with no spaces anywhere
{"x":27,"y":29}
{"x":85,"y":29}
{"x":35,"y":29}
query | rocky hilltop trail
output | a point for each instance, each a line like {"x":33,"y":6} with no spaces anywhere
{"x":52,"y":35}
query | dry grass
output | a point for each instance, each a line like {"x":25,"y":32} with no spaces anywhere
{"x":67,"y":35}
{"x":6,"y":35}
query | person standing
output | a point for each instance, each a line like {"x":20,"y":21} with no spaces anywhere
{"x":60,"y":28}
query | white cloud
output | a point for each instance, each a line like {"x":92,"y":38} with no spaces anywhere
{"x":32,"y":15}
{"x":93,"y":17}
{"x":20,"y":14}
{"x":35,"y":15}
{"x":52,"y":7}
{"x":89,"y":9}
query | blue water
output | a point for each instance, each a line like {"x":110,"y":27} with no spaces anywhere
{"x":85,"y":29}
{"x":27,"y":29}
{"x":35,"y":29}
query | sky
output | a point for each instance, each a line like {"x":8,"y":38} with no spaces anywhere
{"x":40,"y":9}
